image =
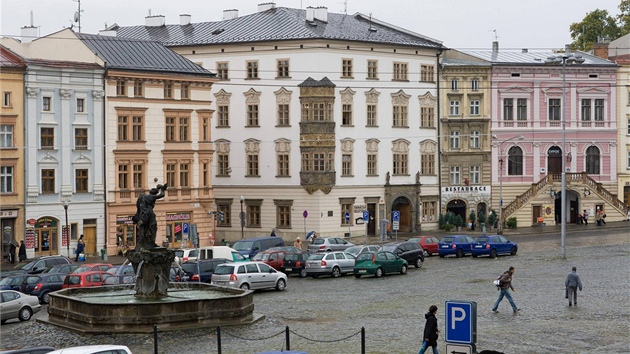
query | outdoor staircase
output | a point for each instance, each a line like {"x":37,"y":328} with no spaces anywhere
{"x":575,"y":179}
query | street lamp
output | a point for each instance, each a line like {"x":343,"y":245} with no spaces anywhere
{"x":242,"y":216}
{"x":564,"y":59}
{"x":519,"y":137}
{"x":66,"y":203}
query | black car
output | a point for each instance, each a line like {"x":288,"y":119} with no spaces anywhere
{"x":37,"y":265}
{"x":295,"y":263}
{"x":408,"y":250}
{"x":202,"y":270}
{"x":41,"y":285}
{"x":62,"y":268}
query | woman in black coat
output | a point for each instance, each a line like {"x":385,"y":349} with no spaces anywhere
{"x":430,"y":331}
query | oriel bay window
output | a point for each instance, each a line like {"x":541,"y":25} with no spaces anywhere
{"x":318,"y":162}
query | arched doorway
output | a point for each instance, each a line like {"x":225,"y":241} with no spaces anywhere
{"x":403,"y":205}
{"x":457,"y":207}
{"x":554,"y":160}
{"x":572,"y":207}
{"x":482,"y":208}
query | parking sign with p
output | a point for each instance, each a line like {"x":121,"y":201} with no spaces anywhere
{"x":461,"y":322}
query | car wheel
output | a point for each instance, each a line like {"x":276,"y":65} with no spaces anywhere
{"x":245,"y":286}
{"x":315,"y":276}
{"x":336,"y":272}
{"x":403,"y":269}
{"x":281,"y":284}
{"x":357,"y":276}
{"x":25,"y":314}
{"x":513,"y":251}
{"x":45,"y":298}
{"x":474,"y":256}
{"x":303,"y":273}
{"x":426,"y":253}
{"x":328,"y":250}
{"x":493,"y":254}
{"x":441,"y":255}
{"x":379,"y":272}
{"x":3,"y":321}
{"x":418,"y":263}
{"x":459,"y":253}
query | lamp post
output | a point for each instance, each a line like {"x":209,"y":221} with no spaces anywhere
{"x":66,"y":203}
{"x":242,"y":216}
{"x":519,"y":137}
{"x":564,"y":59}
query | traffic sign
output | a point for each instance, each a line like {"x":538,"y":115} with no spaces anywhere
{"x":461,"y":322}
{"x":366,"y":215}
{"x":347,"y":216}
{"x":395,"y":220}
{"x":305,"y":214}
{"x":185,"y":228}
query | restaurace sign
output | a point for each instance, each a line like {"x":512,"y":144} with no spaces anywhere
{"x":476,"y":190}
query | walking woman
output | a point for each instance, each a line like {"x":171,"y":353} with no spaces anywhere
{"x":430,"y":331}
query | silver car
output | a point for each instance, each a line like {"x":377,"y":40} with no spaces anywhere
{"x":356,"y":250}
{"x":248,"y":275}
{"x":14,"y":304}
{"x":331,"y":263}
{"x":328,"y":244}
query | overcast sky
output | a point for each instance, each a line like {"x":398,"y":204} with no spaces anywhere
{"x":461,"y":24}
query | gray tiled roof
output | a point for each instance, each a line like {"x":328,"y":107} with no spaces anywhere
{"x":530,"y":58}
{"x":142,"y":55}
{"x":310,"y":82}
{"x":279,"y":23}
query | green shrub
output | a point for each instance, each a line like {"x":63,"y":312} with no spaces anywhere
{"x":511,"y":223}
{"x":492,"y":218}
{"x":458,"y":221}
{"x":448,"y":227}
{"x":481,"y":217}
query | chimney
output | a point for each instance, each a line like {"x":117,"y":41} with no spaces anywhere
{"x":155,"y":21}
{"x":601,"y":50}
{"x":310,"y":14}
{"x":524,"y":50}
{"x":184,"y":19}
{"x":29,"y":33}
{"x":230,"y":14}
{"x":567,"y":48}
{"x":266,"y":6}
{"x":495,"y":47}
{"x":321,"y":13}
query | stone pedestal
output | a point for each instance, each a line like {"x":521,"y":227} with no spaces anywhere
{"x":152,"y":268}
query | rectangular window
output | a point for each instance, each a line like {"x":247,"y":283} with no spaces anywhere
{"x":170,"y":174}
{"x":177,"y":129}
{"x":184,"y":175}
{"x":223,"y":164}
{"x":252,"y":165}
{"x":283,"y":216}
{"x":400,"y":116}
{"x":346,"y":208}
{"x":346,"y":68}
{"x":123,"y":177}
{"x":346,"y":114}
{"x":427,"y":117}
{"x":400,"y":71}
{"x":205,"y":129}
{"x":521,"y":109}
{"x":400,"y":166}
{"x":136,"y":129}
{"x":227,"y":215}
{"x":474,"y":85}
{"x":47,"y":136}
{"x":475,"y":174}
{"x":372,"y":72}
{"x":46,"y":101}
{"x":252,"y":69}
{"x":371,"y":115}
{"x":454,"y":108}
{"x":454,"y":84}
{"x":454,"y":140}
{"x":6,"y":136}
{"x":121,"y":88}
{"x":80,"y":105}
{"x":475,"y":139}
{"x":319,"y":162}
{"x":170,"y":129}
{"x":6,"y":179}
{"x":6,"y":99}
{"x":455,"y":177}
{"x":429,"y":210}
{"x":168,"y":90}
{"x":138,"y":176}
{"x":427,"y":165}
{"x":80,"y":138}
{"x":283,"y":115}
{"x":222,"y":71}
{"x":283,"y":68}
{"x":81,"y":180}
{"x":426,"y":73}
{"x":224,"y":116}
{"x":138,"y":89}
{"x":474,"y":107}
{"x":346,"y":165}
{"x":372,"y":165}
{"x":184,"y":128}
{"x":599,"y":109}
{"x":253,"y":215}
{"x":628,"y":131}
{"x":123,"y":128}
{"x":48,"y":181}
{"x":554,"y":109}
{"x":185,"y":91}
{"x":283,"y":165}
{"x":586,"y":109}
{"x":205,"y":175}
{"x":252,"y":115}
{"x":508,"y":109}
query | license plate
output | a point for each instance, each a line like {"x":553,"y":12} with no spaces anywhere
{"x":362,"y":271}
{"x":446,"y":246}
{"x":478,"y":246}
{"x":288,"y":269}
{"x":221,"y":282}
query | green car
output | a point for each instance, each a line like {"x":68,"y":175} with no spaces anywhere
{"x":379,"y":263}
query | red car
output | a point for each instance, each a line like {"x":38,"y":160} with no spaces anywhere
{"x":93,"y":267}
{"x":84,"y":280}
{"x":428,"y":243}
{"x":274,"y":259}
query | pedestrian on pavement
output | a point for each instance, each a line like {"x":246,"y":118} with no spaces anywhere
{"x":585,"y":217}
{"x":12,"y":252}
{"x":580,"y":218}
{"x":603,"y":217}
{"x":573,"y":283}
{"x":297,"y":243}
{"x":273,"y":232}
{"x":430,"y":331}
{"x":598,"y":218}
{"x":80,"y":248}
{"x":22,"y":252}
{"x":628,"y":214}
{"x":505,"y":283}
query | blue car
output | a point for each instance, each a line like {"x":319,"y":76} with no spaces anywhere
{"x":459,"y":245}
{"x":492,"y":246}
{"x":12,"y":283}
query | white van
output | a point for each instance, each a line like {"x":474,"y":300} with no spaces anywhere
{"x":224,"y":252}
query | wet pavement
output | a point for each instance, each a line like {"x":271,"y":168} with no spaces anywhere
{"x":326,"y":315}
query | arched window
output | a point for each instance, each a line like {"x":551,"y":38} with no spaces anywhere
{"x":515,"y":161}
{"x":592,"y":160}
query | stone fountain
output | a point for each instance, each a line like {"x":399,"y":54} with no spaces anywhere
{"x":152,"y":300}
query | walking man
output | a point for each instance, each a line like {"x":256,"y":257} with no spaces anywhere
{"x":573,"y":283}
{"x":585,"y":217}
{"x":505,"y":283}
{"x":430,"y":331}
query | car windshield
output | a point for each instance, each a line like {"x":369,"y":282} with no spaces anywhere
{"x":316,"y":257}
{"x":291,"y":257}
{"x":243,"y":245}
{"x":414,"y":239}
{"x":224,"y":269}
{"x":83,"y":269}
{"x":448,"y":239}
{"x":32,"y":280}
{"x":482,"y":239}
{"x":237,"y":256}
{"x":353,"y":250}
{"x":6,"y":281}
{"x":25,"y":266}
{"x":318,"y":241}
{"x":365,"y":256}
{"x":390,"y":248}
{"x":72,"y":279}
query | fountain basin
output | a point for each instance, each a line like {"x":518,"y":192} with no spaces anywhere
{"x":116,"y":309}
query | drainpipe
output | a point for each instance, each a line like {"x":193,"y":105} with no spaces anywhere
{"x":439,"y":134}
{"x":104,"y":127}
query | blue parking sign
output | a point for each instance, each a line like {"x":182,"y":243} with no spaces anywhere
{"x":461,"y":322}
{"x":185,"y":227}
{"x":396,"y":215}
{"x":366,"y":215}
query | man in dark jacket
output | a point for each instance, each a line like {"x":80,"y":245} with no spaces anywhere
{"x":430,"y":331}
{"x":505,"y":283}
{"x":572,"y":283}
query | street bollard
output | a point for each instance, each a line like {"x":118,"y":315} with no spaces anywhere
{"x":362,"y":340}
{"x":155,"y":340}
{"x":219,"y":339}
{"x":286,"y":335}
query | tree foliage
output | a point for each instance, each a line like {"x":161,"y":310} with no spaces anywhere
{"x":600,"y":24}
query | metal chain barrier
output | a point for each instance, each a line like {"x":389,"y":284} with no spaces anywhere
{"x":251,"y":339}
{"x":325,"y":341}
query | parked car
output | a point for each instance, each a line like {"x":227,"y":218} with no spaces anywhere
{"x":36,"y":265}
{"x":34,"y":350}
{"x":114,"y":279}
{"x":121,"y":270}
{"x":202,"y":270}
{"x":94,"y":349}
{"x":459,"y":245}
{"x":379,"y":263}
{"x":273,"y":259}
{"x":224,"y":252}
{"x":14,"y":304}
{"x":250,"y":246}
{"x":62,"y":268}
{"x":492,"y":246}
{"x":41,"y":285}
{"x":249,"y":275}
{"x":177,"y":273}
{"x":408,"y":250}
{"x":92,"y":267}
{"x":295,"y":263}
{"x":334,"y":264}
{"x":289,"y":249}
{"x":356,"y":250}
{"x":84,"y":280}
{"x":428,"y":243}
{"x":328,"y":244}
{"x":12,"y":283}
{"x":183,"y":255}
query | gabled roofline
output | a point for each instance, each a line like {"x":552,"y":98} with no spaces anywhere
{"x":396,"y":28}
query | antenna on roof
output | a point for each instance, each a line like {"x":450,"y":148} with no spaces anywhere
{"x":149,"y":12}
{"x":77,"y":15}
{"x":496,"y":37}
{"x":345,"y":7}
{"x":371,"y":29}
